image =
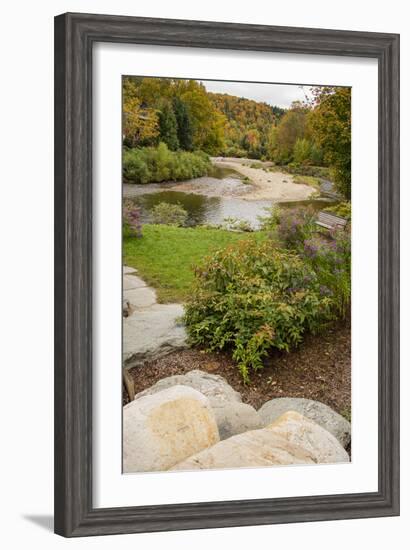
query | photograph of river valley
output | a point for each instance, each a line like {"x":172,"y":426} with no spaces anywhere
{"x":236,"y":223}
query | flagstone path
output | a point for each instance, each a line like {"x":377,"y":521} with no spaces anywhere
{"x":150,"y":329}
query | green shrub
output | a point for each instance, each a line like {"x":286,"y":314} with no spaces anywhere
{"x":156,"y":164}
{"x":270,"y":221}
{"x":252,"y":297}
{"x":169,"y":214}
{"x":237,"y":224}
{"x":235,"y":151}
{"x":135,"y":168}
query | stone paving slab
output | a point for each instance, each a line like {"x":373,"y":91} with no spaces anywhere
{"x":132,"y":281}
{"x":152,"y":332}
{"x":128,"y":270}
{"x":141,"y":297}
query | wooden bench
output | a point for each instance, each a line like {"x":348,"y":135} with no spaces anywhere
{"x":330,"y":221}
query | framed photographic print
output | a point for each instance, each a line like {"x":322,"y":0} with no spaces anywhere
{"x":226,"y":274}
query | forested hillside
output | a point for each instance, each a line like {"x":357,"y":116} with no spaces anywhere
{"x":249,"y":124}
{"x":183,"y":116}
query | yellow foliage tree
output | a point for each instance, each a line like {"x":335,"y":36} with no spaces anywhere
{"x":140,"y":125}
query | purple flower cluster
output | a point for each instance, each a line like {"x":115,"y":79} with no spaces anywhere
{"x":310,"y":248}
{"x":132,"y":218}
{"x":294,"y":225}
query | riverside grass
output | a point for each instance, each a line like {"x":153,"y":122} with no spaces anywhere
{"x":165,"y":256}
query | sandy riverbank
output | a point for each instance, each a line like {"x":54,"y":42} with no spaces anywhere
{"x":275,"y":186}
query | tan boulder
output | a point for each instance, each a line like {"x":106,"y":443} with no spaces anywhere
{"x":213,"y":386}
{"x":318,"y":412}
{"x":163,"y":429}
{"x":291,"y":439}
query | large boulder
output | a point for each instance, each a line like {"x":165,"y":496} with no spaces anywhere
{"x":163,"y":429}
{"x":234,"y":418}
{"x":316,"y":411}
{"x":292,"y":439}
{"x":213,"y":386}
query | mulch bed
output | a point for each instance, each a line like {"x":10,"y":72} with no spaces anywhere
{"x":318,"y":369}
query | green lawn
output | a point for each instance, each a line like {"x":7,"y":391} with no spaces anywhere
{"x":165,"y":255}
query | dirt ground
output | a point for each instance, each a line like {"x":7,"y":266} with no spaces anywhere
{"x":319,"y":369}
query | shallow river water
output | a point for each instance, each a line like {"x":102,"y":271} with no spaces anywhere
{"x":209,"y":200}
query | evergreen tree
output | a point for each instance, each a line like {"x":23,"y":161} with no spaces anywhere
{"x":168,"y":127}
{"x":184,"y":124}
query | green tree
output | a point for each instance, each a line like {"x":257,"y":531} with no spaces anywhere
{"x":207,"y":122}
{"x":301,"y":150}
{"x":316,"y":155}
{"x":292,"y":126}
{"x":330,"y":120}
{"x":184,"y":124}
{"x":168,"y":127}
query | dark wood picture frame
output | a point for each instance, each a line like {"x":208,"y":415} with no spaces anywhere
{"x":75,"y":35}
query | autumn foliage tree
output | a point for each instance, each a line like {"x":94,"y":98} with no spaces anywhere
{"x":140,"y":125}
{"x":330,"y":120}
{"x":292,"y":127}
{"x":180,"y":113}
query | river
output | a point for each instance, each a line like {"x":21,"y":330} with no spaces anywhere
{"x":210,"y":200}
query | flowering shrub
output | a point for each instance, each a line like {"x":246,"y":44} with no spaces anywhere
{"x":331,"y":259}
{"x":252,"y":297}
{"x":169,"y":214}
{"x":294,"y":226}
{"x":131,"y":220}
{"x":290,"y":226}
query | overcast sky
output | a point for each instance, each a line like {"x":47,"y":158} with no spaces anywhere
{"x":281,"y":95}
